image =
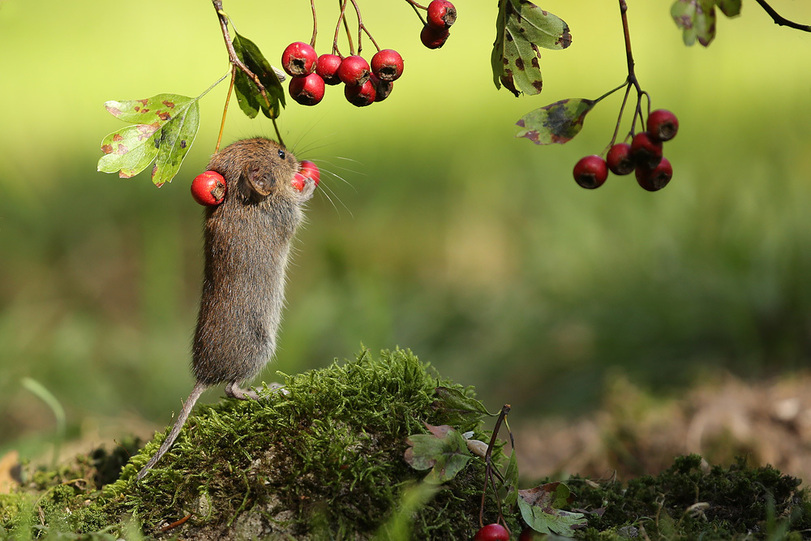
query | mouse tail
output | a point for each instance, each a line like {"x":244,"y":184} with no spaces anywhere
{"x":178,"y":426}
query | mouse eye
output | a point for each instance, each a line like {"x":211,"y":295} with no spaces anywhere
{"x":281,"y":154}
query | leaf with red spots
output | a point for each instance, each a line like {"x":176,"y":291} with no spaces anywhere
{"x":521,"y":28}
{"x":697,"y":18}
{"x":248,"y":96}
{"x":164,"y":130}
{"x":541,"y":509}
{"x":557,"y":122}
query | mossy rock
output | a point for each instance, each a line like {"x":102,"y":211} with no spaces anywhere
{"x":325,"y":460}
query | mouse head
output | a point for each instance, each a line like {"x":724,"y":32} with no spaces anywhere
{"x":255,"y":168}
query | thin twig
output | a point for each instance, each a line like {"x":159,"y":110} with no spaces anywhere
{"x":780,"y":20}
{"x":315,"y":24}
{"x":232,"y":54}
{"x":225,"y":108}
{"x":488,"y":470}
{"x":362,"y":27}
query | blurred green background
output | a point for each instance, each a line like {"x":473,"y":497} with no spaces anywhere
{"x":434,"y":229}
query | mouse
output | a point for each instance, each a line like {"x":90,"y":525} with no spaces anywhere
{"x":247,"y":242}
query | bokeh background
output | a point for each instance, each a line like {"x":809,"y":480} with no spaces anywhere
{"x":435,"y":229}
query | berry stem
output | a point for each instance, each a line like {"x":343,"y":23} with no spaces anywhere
{"x":232,"y":54}
{"x":362,"y":27}
{"x":488,"y":461}
{"x":315,"y":24}
{"x":225,"y":107}
{"x":417,"y":7}
{"x":342,"y":17}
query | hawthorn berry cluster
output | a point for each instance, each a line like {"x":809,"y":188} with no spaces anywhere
{"x":436,"y":28}
{"x":642,"y":156}
{"x":209,"y":187}
{"x":364,"y":84}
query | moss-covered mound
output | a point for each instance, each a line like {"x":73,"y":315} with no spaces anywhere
{"x":325,"y":460}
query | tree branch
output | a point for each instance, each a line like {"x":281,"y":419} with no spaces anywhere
{"x":780,"y":20}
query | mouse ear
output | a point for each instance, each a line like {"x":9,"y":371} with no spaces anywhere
{"x":261,"y":182}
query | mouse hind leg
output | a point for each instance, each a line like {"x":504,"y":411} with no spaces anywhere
{"x":235,"y":391}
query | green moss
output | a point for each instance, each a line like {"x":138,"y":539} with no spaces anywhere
{"x":693,"y":500}
{"x":324,"y":460}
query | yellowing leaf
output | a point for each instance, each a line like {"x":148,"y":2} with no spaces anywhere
{"x":165,"y":128}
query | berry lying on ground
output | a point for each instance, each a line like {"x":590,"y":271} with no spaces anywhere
{"x":208,"y":188}
{"x":590,"y":172}
{"x":492,"y":532}
{"x":299,"y":58}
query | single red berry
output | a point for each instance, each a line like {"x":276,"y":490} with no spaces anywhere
{"x":310,"y":170}
{"x":298,"y":182}
{"x":299,"y":58}
{"x":656,"y":178}
{"x":492,"y":532}
{"x":387,"y":65}
{"x":590,"y":172}
{"x":361,"y":95}
{"x":433,"y":37}
{"x":382,"y":88}
{"x":327,"y":67}
{"x":441,"y":14}
{"x":208,"y":188}
{"x":645,"y":150}
{"x":663,"y":125}
{"x":619,"y":159}
{"x":354,"y":70}
{"x":307,"y":90}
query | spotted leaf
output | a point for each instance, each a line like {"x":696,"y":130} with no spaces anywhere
{"x":697,"y":18}
{"x":521,"y":29}
{"x":164,"y":129}
{"x":558,"y":122}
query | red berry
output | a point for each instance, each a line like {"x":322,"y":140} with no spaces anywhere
{"x":354,"y":70}
{"x":433,"y":37}
{"x":656,"y":178}
{"x":645,"y":150}
{"x":299,"y":58}
{"x":619,"y":159}
{"x":387,"y":65}
{"x":298,"y":182}
{"x":208,"y":188}
{"x":307,"y":90}
{"x":327,"y":67}
{"x":663,"y":125}
{"x":492,"y":532}
{"x":441,"y":14}
{"x":361,"y":95}
{"x":590,"y":172}
{"x":382,"y":88}
{"x":310,"y":170}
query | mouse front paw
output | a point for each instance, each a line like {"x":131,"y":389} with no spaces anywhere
{"x":308,"y":190}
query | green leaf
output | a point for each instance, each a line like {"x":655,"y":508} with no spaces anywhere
{"x":165,"y":128}
{"x":696,"y":18}
{"x":443,"y":451}
{"x":457,"y":405}
{"x":521,"y":28}
{"x":249,"y":97}
{"x":730,"y":8}
{"x":509,"y":490}
{"x":540,"y":508}
{"x":557,"y":122}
